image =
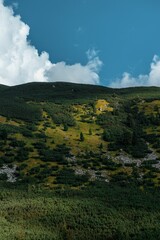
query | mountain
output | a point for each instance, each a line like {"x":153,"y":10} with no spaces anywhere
{"x":3,"y":87}
{"x":93,"y":131}
{"x":76,"y":158}
{"x":60,"y":91}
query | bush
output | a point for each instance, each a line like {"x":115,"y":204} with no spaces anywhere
{"x":67,"y":177}
{"x":60,"y":114}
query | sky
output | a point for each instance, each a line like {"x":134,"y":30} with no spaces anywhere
{"x":114,"y":43}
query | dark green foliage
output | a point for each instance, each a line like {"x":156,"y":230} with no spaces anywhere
{"x":139,"y":150}
{"x":12,"y":108}
{"x":15,"y":143}
{"x":124,"y":130}
{"x":60,"y":114}
{"x":101,"y":146}
{"x":90,"y":131}
{"x":3,"y":134}
{"x":22,"y":154}
{"x":109,"y":164}
{"x":9,"y":128}
{"x":39,"y":145}
{"x":120,"y":178}
{"x":3,"y":87}
{"x":106,"y":119}
{"x":100,"y":211}
{"x":47,"y":155}
{"x":117,"y":134}
{"x":65,"y":127}
{"x":5,"y":160}
{"x":31,"y":127}
{"x":26,"y":133}
{"x":53,"y":155}
{"x":152,"y":138}
{"x":22,"y":166}
{"x":81,"y":137}
{"x":45,"y":172}
{"x":59,"y":92}
{"x":3,"y":177}
{"x":68,"y":177}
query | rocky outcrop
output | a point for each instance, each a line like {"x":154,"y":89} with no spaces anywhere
{"x":9,"y":172}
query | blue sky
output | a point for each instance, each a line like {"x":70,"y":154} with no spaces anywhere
{"x":125,"y":33}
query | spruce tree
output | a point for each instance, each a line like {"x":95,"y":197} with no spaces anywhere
{"x":81,"y":137}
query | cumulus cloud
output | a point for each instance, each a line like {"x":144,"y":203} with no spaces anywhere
{"x":20,"y":62}
{"x":152,"y":79}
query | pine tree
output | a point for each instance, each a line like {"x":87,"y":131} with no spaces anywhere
{"x":3,"y":134}
{"x":90,"y":131}
{"x":81,"y":137}
{"x":101,"y":146}
{"x":65,"y":127}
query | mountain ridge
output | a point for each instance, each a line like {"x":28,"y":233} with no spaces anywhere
{"x":73,"y":90}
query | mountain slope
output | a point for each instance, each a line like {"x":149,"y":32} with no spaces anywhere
{"x":65,"y":133}
{"x":79,"y":162}
{"x":60,"y":90}
{"x":3,"y":87}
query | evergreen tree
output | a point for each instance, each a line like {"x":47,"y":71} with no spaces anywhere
{"x":65,"y":127}
{"x":101,"y":146}
{"x":3,"y":134}
{"x":81,"y":137}
{"x":90,"y":131}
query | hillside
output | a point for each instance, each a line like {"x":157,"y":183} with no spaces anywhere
{"x":64,"y":128}
{"x":63,"y":143}
{"x":3,"y":87}
{"x":61,"y":90}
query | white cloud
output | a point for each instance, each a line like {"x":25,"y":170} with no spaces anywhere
{"x":15,"y":5}
{"x":20,"y":62}
{"x":154,"y":75}
{"x":82,"y":74}
{"x":91,"y":53}
{"x":152,"y":79}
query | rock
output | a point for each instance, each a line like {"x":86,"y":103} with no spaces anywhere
{"x":10,"y":172}
{"x":79,"y":171}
